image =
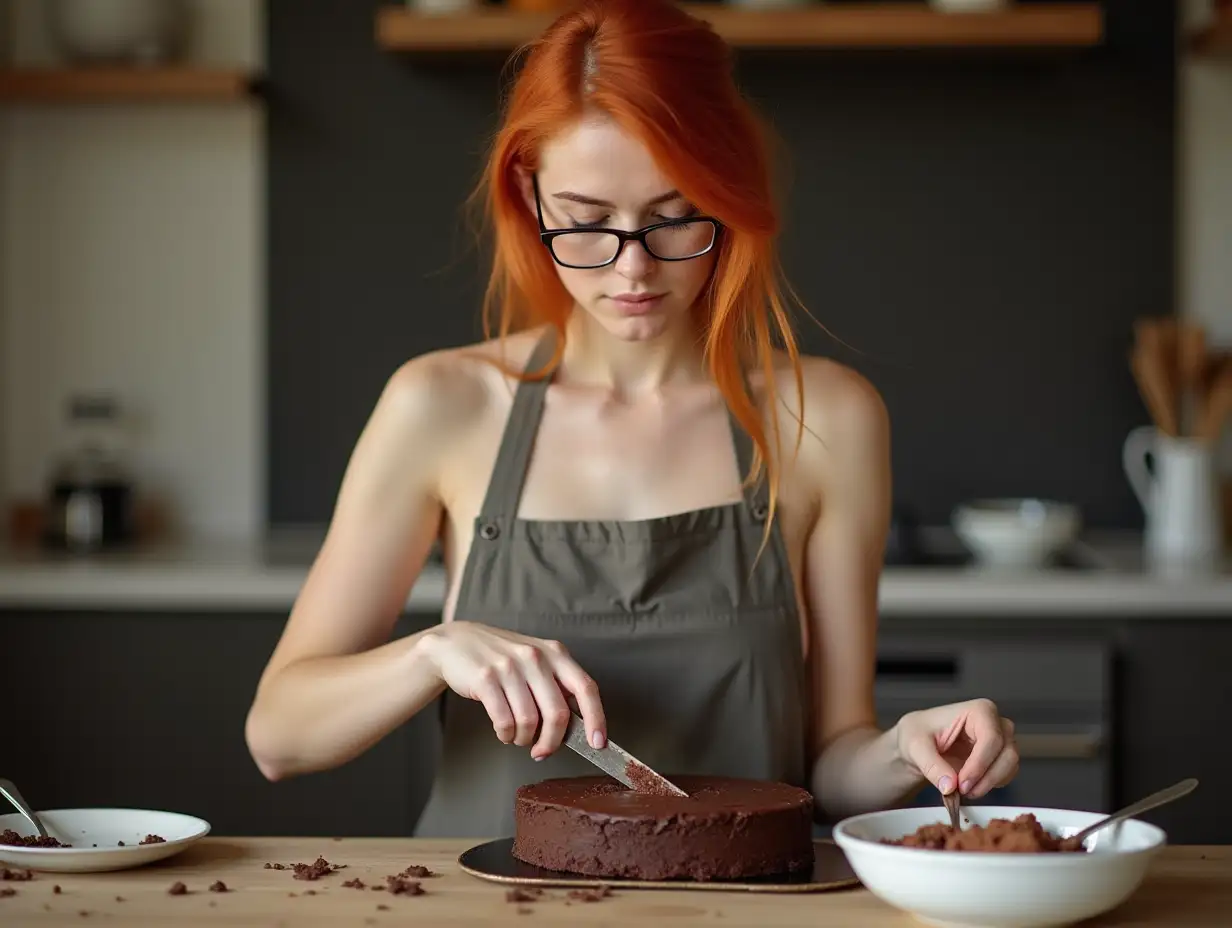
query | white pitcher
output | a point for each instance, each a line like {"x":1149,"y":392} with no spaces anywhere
{"x":1175,"y":481}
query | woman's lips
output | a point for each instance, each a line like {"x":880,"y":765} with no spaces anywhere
{"x":636,"y":304}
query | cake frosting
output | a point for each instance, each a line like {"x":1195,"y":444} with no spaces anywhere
{"x":725,"y":829}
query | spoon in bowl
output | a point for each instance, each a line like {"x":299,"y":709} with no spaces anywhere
{"x":1153,"y":801}
{"x":11,"y":793}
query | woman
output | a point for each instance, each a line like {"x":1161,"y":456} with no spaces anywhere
{"x":648,"y":512}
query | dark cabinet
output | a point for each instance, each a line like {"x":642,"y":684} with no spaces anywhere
{"x":1174,"y":692}
{"x":147,"y":710}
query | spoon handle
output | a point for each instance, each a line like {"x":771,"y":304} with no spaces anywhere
{"x":12,"y":795}
{"x":1163,"y":797}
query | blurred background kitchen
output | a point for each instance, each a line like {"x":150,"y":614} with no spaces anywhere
{"x":223,"y":224}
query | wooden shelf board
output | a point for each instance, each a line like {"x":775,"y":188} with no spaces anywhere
{"x":867,"y":25}
{"x":113,"y":84}
{"x":1216,"y":39}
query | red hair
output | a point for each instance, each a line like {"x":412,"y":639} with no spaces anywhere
{"x":665,"y":77}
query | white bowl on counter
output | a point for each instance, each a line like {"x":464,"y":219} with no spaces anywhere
{"x":1016,"y":532}
{"x":964,"y":889}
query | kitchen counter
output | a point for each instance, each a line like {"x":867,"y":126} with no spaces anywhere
{"x":1105,"y":577}
{"x":1186,"y":886}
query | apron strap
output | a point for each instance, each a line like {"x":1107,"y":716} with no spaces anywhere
{"x":518,"y":441}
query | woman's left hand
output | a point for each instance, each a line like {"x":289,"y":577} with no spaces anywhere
{"x":964,"y":744}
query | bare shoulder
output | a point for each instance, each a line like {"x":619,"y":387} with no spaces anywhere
{"x":843,"y":412}
{"x":447,"y":392}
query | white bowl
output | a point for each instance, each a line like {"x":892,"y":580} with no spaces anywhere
{"x":961,"y":889}
{"x":1016,"y":532}
{"x":106,"y":828}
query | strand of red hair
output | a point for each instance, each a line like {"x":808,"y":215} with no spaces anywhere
{"x":666,"y":78}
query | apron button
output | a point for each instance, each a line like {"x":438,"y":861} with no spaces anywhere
{"x":760,"y":511}
{"x":489,"y":530}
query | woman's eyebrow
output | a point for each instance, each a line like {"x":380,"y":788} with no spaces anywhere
{"x":592,"y":201}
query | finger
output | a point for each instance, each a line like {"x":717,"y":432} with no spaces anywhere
{"x":983,"y":728}
{"x":1002,"y":770}
{"x":922,"y":751}
{"x":491,"y":694}
{"x":578,"y":683}
{"x":525,"y":714}
{"x":552,"y":710}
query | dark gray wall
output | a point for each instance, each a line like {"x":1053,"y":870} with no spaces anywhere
{"x":982,"y":229}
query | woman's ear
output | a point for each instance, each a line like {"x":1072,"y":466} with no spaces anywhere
{"x":522,"y":179}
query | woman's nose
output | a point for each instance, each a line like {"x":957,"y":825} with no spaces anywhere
{"x":635,"y":262}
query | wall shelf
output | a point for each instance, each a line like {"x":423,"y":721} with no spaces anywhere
{"x":852,"y":25}
{"x":1216,"y":39}
{"x":119,"y":84}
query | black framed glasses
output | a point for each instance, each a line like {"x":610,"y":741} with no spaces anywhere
{"x":588,"y":248}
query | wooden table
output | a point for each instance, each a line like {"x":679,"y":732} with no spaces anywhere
{"x":1186,"y":888}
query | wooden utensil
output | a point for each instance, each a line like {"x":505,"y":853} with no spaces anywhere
{"x":1192,"y":386}
{"x":1152,"y":379}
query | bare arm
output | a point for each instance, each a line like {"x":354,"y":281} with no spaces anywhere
{"x":857,"y":767}
{"x":335,"y":684}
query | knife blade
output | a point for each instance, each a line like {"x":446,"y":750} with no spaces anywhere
{"x":616,"y":762}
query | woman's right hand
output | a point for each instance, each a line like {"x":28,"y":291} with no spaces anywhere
{"x":521,"y":681}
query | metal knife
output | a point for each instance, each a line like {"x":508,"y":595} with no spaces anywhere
{"x":619,"y":763}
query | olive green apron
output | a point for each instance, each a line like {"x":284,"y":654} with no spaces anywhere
{"x":693,"y":640}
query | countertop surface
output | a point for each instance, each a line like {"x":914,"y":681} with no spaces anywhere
{"x":1186,"y":887}
{"x":1104,"y":576}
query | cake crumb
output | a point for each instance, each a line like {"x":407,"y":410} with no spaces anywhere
{"x":17,"y":876}
{"x":152,"y":839}
{"x":177,"y":889}
{"x":382,"y":907}
{"x":218,"y":886}
{"x":356,"y":883}
{"x":119,"y":898}
{"x":590,"y":895}
{"x":519,"y":894}
{"x":400,"y":885}
{"x":415,"y":871}
{"x":315,"y":870}
{"x":56,"y":889}
{"x":7,"y":891}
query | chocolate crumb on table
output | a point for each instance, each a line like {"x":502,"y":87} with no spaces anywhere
{"x":399,"y":885}
{"x":356,"y":883}
{"x":415,"y":871}
{"x":17,"y":876}
{"x":178,"y":889}
{"x":521,"y":894}
{"x":12,"y":838}
{"x":218,"y":886}
{"x":590,"y":895}
{"x":56,"y":889}
{"x":315,"y":870}
{"x":152,"y":839}
{"x":382,"y":907}
{"x":7,"y":891}
{"x":119,"y":898}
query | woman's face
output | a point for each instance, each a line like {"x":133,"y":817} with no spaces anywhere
{"x":596,"y":175}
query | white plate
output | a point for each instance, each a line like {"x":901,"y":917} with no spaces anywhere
{"x":106,"y":828}
{"x":953,"y":888}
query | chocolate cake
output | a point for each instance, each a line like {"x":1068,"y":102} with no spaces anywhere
{"x":725,"y":829}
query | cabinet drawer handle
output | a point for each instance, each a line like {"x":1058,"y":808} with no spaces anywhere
{"x":1058,"y":745}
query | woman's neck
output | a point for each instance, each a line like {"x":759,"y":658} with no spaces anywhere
{"x":596,"y":358}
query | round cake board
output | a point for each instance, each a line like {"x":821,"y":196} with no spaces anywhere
{"x":494,"y":861}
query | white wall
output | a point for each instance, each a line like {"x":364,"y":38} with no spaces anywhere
{"x":132,"y":259}
{"x":1204,"y":163}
